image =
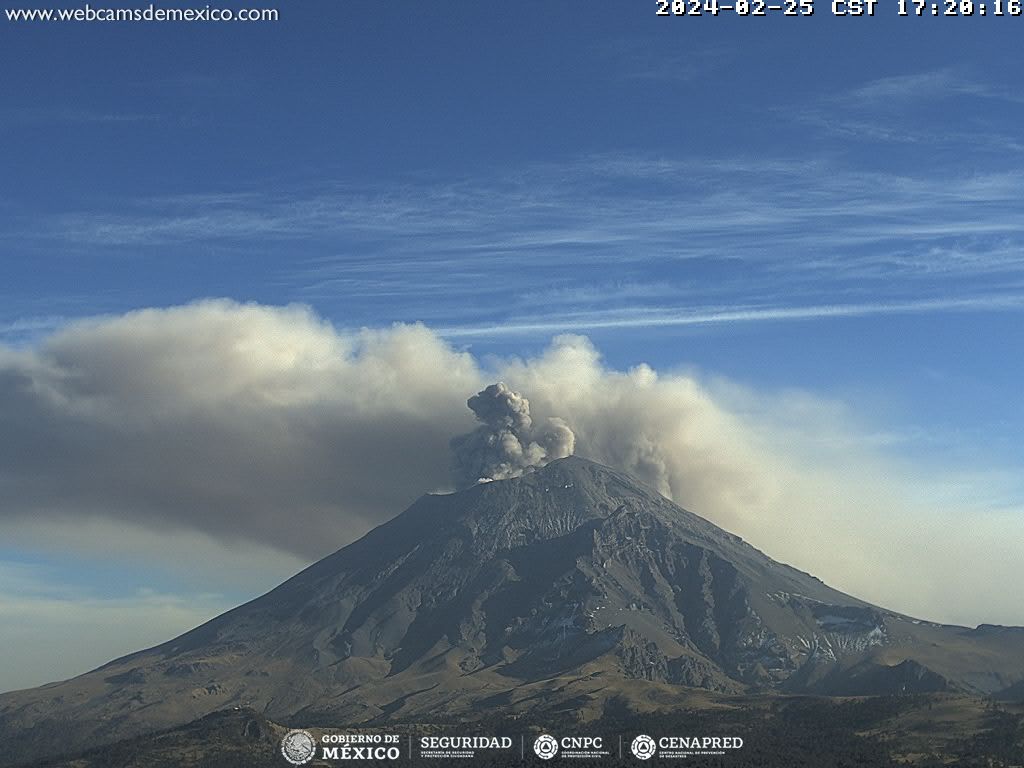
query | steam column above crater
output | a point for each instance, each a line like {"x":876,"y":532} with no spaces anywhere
{"x":507,"y":443}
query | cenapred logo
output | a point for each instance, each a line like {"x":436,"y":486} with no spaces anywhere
{"x":643,"y":747}
{"x":545,"y":746}
{"x":298,"y":747}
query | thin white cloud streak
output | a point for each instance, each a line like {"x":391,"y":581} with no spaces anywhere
{"x":242,"y":567}
{"x":48,"y":635}
{"x":262,"y":426}
{"x":31,"y":326}
{"x":57,"y":623}
{"x":64,"y":115}
{"x":654,"y":318}
{"x":634,"y":61}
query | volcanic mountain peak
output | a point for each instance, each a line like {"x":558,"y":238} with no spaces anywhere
{"x":571,"y":577}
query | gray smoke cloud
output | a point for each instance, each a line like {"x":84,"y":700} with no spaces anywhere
{"x":244,"y":423}
{"x":241,"y":426}
{"x":507,"y":443}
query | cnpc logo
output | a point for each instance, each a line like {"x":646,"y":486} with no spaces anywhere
{"x":547,"y":746}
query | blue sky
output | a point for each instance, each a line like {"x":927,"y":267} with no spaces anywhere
{"x":816,"y":204}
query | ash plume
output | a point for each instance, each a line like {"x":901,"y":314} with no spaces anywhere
{"x":507,"y":443}
{"x":232,"y":425}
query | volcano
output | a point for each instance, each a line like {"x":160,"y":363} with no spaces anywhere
{"x":564,"y":588}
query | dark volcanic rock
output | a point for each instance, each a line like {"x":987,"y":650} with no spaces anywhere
{"x":572,"y":581}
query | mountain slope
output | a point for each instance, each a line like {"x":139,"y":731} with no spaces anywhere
{"x":560,"y":588}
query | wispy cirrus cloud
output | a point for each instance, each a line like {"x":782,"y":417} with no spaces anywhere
{"x":930,"y":109}
{"x":676,"y":209}
{"x":654,"y":234}
{"x":894,"y":91}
